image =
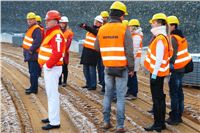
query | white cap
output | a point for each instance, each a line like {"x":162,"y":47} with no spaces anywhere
{"x":64,"y":19}
{"x":99,"y":18}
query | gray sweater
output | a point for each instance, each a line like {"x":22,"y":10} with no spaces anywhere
{"x":128,"y":45}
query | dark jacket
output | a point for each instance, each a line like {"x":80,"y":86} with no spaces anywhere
{"x":31,"y":54}
{"x":175,"y":49}
{"x":90,"y":56}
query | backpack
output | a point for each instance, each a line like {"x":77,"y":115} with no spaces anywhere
{"x":189,"y":67}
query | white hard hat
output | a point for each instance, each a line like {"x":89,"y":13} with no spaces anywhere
{"x":64,"y":19}
{"x":99,"y":18}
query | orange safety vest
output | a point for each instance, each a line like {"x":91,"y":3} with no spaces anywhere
{"x":45,"y":50}
{"x":183,"y":57}
{"x":150,"y":59}
{"x":67,"y":33}
{"x":111,"y":41}
{"x":139,"y":52}
{"x":28,"y":40}
{"x":89,"y":40}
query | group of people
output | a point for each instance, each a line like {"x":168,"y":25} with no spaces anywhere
{"x":113,"y":47}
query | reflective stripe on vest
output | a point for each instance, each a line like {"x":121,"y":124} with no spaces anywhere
{"x":111,"y":41}
{"x":139,"y":51}
{"x":89,"y":40}
{"x":150,"y":59}
{"x":45,"y":50}
{"x":183,"y":56}
{"x":28,"y":40}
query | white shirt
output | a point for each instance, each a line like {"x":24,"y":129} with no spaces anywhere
{"x":159,"y":47}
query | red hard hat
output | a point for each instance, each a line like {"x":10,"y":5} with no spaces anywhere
{"x":52,"y":14}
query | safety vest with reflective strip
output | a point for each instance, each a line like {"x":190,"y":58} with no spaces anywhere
{"x":183,"y":56}
{"x":89,"y":40}
{"x":45,"y":50}
{"x":139,"y":52}
{"x":150,"y":59}
{"x":28,"y":40}
{"x":111,"y":41}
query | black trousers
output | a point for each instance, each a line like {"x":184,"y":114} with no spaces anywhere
{"x":158,"y":98}
{"x":64,"y":74}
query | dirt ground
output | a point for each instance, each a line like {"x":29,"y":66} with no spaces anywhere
{"x":81,"y":110}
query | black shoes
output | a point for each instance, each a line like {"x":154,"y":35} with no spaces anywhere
{"x":45,"y":120}
{"x":150,"y":111}
{"x":156,"y":128}
{"x":85,"y":86}
{"x":173,"y":122}
{"x":28,"y":91}
{"x":48,"y":127}
{"x":92,"y":88}
{"x":64,"y":85}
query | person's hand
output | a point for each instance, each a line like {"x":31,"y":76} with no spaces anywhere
{"x":153,"y":79}
{"x":82,"y":25}
{"x":131,"y":73}
{"x":153,"y":76}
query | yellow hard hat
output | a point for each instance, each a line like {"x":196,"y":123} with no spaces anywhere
{"x":134,"y":22}
{"x":158,"y":16}
{"x":104,"y":14}
{"x":119,"y":6}
{"x":125,"y":22}
{"x":172,"y":20}
{"x":38,"y":18}
{"x":30,"y":15}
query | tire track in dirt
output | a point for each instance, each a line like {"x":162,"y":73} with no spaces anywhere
{"x":10,"y":120}
{"x":135,"y":105}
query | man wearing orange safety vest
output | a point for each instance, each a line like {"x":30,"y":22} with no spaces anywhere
{"x":68,"y":34}
{"x":31,"y":43}
{"x":179,"y":60}
{"x":115,"y":43}
{"x":51,"y":59}
{"x":137,"y":35}
{"x":157,"y":63}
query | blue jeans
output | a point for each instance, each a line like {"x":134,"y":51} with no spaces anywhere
{"x":133,"y":85}
{"x":176,"y":95}
{"x":90,"y":75}
{"x":100,"y":68}
{"x":120,"y":83}
{"x":34,"y":70}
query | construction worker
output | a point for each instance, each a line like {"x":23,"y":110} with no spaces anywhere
{"x":179,"y":60}
{"x":157,"y":63}
{"x":137,"y":35}
{"x":90,"y":56}
{"x":39,"y":22}
{"x":100,"y":66}
{"x":125,"y":22}
{"x":114,"y":41}
{"x":31,"y":43}
{"x":105,"y":16}
{"x":51,"y":59}
{"x":68,"y":34}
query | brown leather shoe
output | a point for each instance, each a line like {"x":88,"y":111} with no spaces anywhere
{"x":107,"y":126}
{"x":120,"y":130}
